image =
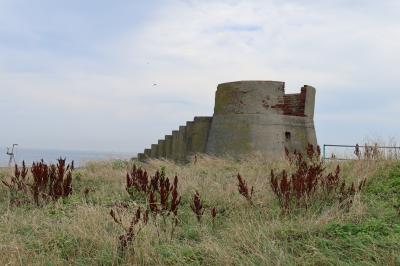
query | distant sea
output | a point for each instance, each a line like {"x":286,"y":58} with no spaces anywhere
{"x":50,"y":156}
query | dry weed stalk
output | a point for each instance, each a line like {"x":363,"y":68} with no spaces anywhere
{"x":138,"y":179}
{"x":244,"y":189}
{"x":86,"y":194}
{"x":213,"y":215}
{"x":162,"y":197}
{"x":48,"y":182}
{"x":54,"y":181}
{"x":18,"y":186}
{"x":367,"y":152}
{"x":370,"y":152}
{"x":197,"y":207}
{"x":309,"y":181}
{"x":18,"y":181}
{"x":157,"y":190}
{"x":357,"y":151}
{"x":132,"y":230}
{"x":176,"y":199}
{"x":375,"y":152}
{"x":346,"y":195}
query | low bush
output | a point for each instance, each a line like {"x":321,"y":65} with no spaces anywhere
{"x":307,"y":180}
{"x":197,"y":206}
{"x":49,"y":183}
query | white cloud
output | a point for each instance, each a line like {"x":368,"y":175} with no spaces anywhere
{"x":188,"y":47}
{"x":331,"y":48}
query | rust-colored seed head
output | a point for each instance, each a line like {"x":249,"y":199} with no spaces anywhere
{"x":153,"y":203}
{"x":197,"y":207}
{"x":146,"y":217}
{"x":115,"y":217}
{"x":137,"y":216}
{"x":244,"y":189}
{"x":310,"y":151}
{"x":214,"y":213}
{"x":49,"y":182}
{"x":176,"y":199}
{"x":307,"y":178}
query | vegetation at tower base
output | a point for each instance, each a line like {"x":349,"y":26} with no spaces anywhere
{"x":115,"y":218}
{"x":249,"y":116}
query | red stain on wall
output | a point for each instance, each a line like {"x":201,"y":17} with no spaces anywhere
{"x":292,"y":104}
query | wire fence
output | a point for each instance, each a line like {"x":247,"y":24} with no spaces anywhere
{"x":354,"y":152}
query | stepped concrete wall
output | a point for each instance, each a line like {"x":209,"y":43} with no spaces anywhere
{"x":182,"y":145}
{"x":168,"y":147}
{"x":249,"y":116}
{"x":161,"y":149}
{"x":175,"y":152}
{"x":197,"y":139}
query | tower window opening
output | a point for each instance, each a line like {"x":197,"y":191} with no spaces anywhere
{"x":288,"y":135}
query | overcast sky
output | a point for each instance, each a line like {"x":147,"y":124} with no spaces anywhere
{"x":79,"y":74}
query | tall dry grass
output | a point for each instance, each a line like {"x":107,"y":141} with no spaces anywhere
{"x":79,"y":230}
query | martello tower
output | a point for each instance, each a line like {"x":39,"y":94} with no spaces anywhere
{"x":249,"y":116}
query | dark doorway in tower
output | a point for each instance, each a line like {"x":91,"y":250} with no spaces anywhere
{"x":288,"y":136}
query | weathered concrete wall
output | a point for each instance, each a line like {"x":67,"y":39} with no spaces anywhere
{"x":141,"y":157}
{"x":147,"y":153}
{"x":154,"y":151}
{"x":168,"y":147}
{"x":249,"y":116}
{"x":175,"y":145}
{"x":161,"y":149}
{"x":199,"y":134}
{"x":182,"y":145}
{"x":188,"y":140}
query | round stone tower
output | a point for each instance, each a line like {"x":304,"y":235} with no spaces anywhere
{"x":249,"y":116}
{"x":257,"y":116}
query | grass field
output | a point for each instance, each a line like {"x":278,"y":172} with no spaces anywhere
{"x":80,"y":231}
